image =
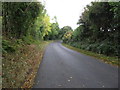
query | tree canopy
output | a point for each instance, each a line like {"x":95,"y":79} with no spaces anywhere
{"x":98,"y":28}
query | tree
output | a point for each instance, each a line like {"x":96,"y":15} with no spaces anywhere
{"x":64,"y":30}
{"x":98,"y":28}
{"x":19,"y":18}
{"x":53,"y":34}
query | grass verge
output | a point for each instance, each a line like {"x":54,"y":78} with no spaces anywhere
{"x":20,"y":67}
{"x":107,"y":59}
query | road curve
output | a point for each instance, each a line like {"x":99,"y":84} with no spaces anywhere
{"x":64,"y":68}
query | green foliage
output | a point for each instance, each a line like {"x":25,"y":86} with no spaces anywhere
{"x":53,"y":35}
{"x":7,"y":47}
{"x":28,"y":40}
{"x":23,"y":19}
{"x":54,"y":32}
{"x":65,"y":33}
{"x":67,"y":36}
{"x":27,"y":21}
{"x":98,"y":29}
{"x":46,"y":26}
{"x":21,"y":22}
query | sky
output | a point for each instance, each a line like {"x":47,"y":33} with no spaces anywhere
{"x":66,"y":11}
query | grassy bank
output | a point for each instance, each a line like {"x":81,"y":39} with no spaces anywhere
{"x":106,"y":59}
{"x":20,"y":63}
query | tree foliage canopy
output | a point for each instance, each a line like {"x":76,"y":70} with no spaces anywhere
{"x":22,"y":19}
{"x":98,"y":28}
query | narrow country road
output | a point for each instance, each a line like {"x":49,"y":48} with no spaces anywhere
{"x":64,"y":68}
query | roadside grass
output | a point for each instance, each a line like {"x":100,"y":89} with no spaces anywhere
{"x":20,"y":67}
{"x":107,"y":59}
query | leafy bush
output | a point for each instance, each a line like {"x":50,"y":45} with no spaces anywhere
{"x":107,"y":49}
{"x":19,"y":41}
{"x":28,"y":40}
{"x":7,"y":47}
{"x":101,"y":48}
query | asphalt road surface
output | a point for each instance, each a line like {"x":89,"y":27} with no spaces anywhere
{"x":64,"y":68}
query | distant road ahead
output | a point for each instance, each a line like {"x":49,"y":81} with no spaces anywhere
{"x":64,"y":68}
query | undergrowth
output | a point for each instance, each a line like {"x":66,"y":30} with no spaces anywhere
{"x":20,"y":62}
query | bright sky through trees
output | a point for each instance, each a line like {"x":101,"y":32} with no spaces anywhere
{"x":66,"y":11}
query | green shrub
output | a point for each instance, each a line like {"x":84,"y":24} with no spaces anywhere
{"x":89,"y":48}
{"x":7,"y":47}
{"x":28,"y":40}
{"x":19,"y":41}
{"x":107,"y":49}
